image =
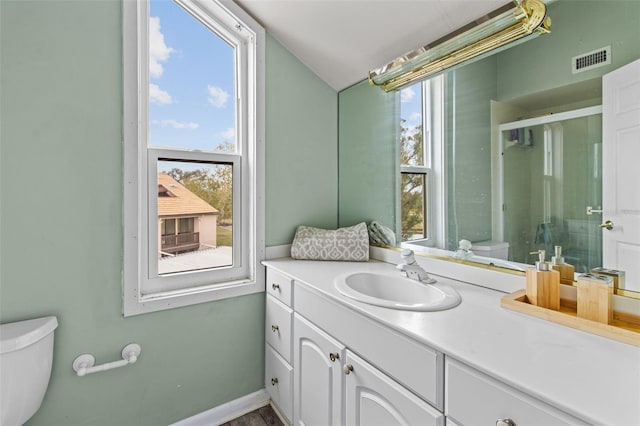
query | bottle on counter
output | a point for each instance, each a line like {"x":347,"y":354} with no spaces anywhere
{"x":567,"y":272}
{"x":543,"y":284}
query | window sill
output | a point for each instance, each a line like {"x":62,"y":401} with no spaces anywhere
{"x":137,"y":304}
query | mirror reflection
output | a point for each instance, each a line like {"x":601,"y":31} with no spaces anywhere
{"x":503,"y":154}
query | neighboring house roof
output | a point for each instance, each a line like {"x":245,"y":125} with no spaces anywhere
{"x":178,"y":200}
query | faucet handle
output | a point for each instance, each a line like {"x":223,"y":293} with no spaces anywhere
{"x":407,"y":256}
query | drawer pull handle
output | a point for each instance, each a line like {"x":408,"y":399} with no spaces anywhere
{"x":274,"y":381}
{"x":348,"y":369}
{"x":275,"y":286}
{"x":274,"y":328}
{"x":333,"y":356}
{"x":505,"y":422}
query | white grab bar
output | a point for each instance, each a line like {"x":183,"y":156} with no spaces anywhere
{"x":85,"y":364}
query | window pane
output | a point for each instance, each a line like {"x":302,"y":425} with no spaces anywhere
{"x":411,"y":126}
{"x":413,"y":206}
{"x":186,"y":225}
{"x":168,"y":226}
{"x":199,"y":197}
{"x":191,"y":82}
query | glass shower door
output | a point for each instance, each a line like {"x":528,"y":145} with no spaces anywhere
{"x":552,"y":174}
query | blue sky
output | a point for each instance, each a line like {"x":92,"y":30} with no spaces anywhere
{"x":191,"y":81}
{"x":411,"y":107}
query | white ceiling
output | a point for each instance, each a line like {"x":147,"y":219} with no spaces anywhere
{"x":342,"y":40}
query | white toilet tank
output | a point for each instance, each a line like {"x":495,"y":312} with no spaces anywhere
{"x":491,"y":248}
{"x":26,"y":355}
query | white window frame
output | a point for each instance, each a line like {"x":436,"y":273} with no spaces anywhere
{"x":144,"y":290}
{"x":434,"y":121}
{"x":426,"y":169}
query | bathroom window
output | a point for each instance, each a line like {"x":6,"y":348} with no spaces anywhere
{"x":194,"y":213}
{"x":415,"y":148}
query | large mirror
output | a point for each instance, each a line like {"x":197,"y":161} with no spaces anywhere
{"x":505,"y":152}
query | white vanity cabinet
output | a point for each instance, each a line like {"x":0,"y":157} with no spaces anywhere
{"x":474,"y":398}
{"x":328,"y":363}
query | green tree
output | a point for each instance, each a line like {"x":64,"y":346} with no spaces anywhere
{"x":213,"y":183}
{"x":412,"y":185}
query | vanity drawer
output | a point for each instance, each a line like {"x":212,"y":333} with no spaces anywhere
{"x":279,"y":286}
{"x":278,"y":381}
{"x":278,"y":327}
{"x":475,"y":398}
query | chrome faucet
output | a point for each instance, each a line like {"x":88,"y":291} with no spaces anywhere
{"x":464,"y":250}
{"x":411,"y":268}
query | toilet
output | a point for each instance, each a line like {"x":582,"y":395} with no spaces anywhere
{"x":491,"y":248}
{"x":26,"y":355}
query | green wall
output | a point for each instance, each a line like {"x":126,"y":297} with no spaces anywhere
{"x":61,"y":224}
{"x":302,"y":147}
{"x":469,"y":151}
{"x":577,"y":27}
{"x":369,"y":156}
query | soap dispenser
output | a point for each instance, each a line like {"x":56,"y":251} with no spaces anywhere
{"x":543,"y":284}
{"x":566,"y":271}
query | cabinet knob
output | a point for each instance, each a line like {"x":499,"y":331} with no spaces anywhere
{"x":274,"y":381}
{"x":505,"y":422}
{"x":334,"y":356}
{"x":275,"y":286}
{"x":274,"y":328}
{"x":348,"y":369}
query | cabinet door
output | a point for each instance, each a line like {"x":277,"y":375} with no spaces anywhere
{"x":372,"y":398}
{"x":318,"y":378}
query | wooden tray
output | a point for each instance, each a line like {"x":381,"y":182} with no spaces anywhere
{"x":624,"y":328}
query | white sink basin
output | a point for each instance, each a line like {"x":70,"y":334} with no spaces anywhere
{"x":397,"y":292}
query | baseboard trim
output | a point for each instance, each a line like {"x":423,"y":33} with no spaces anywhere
{"x":228,"y":411}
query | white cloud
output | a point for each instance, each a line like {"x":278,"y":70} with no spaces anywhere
{"x":229,"y":134}
{"x":176,"y":124}
{"x":159,"y":96}
{"x":406,"y":95}
{"x":217,"y":96}
{"x":415,"y":116}
{"x":158,"y":50}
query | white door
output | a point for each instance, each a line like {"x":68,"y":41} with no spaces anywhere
{"x":621,"y":171}
{"x":373,"y":399}
{"x":318,"y":377}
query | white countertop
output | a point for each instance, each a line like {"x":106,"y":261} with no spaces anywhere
{"x":587,"y":376}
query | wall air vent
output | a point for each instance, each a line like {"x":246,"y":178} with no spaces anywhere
{"x":590,"y":60}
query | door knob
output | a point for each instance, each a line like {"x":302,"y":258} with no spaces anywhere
{"x":348,"y":369}
{"x":334,"y":356}
{"x":608,"y":225}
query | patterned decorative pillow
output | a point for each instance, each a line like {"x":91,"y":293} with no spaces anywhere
{"x":350,"y":244}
